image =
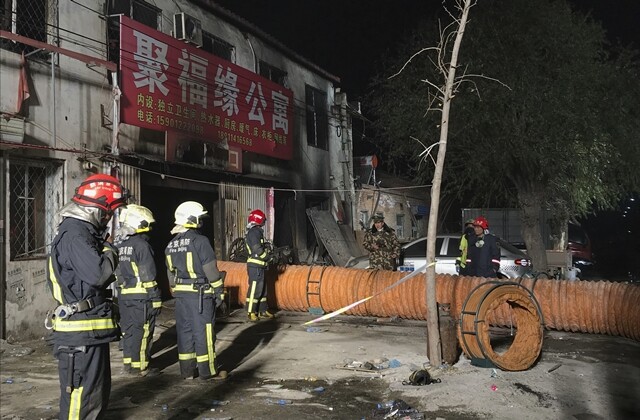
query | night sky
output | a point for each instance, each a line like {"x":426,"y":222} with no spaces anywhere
{"x":347,"y":37}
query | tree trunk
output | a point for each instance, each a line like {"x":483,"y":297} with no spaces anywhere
{"x":559,"y":233}
{"x":434,"y":348}
{"x":532,"y":220}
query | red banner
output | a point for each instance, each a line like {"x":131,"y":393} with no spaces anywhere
{"x":170,"y":85}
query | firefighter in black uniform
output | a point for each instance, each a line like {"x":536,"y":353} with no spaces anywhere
{"x":483,"y":254}
{"x":257,"y":263}
{"x":198,"y":288}
{"x":139,"y":297}
{"x":79,"y":271}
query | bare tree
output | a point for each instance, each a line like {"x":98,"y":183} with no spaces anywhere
{"x":440,"y":100}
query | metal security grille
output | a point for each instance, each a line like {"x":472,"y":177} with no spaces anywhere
{"x":35,"y":19}
{"x":36,"y":193}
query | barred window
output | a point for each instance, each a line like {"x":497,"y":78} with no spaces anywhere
{"x":138,"y":10}
{"x":273,"y":73}
{"x":33,"y":19}
{"x":36,"y":193}
{"x":216,"y":46}
{"x":317,"y":118}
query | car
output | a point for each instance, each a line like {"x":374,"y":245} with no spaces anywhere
{"x":514,"y":263}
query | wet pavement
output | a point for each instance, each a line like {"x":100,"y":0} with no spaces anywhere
{"x":280,"y":369}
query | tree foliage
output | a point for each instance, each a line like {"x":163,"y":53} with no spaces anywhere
{"x":558,"y":132}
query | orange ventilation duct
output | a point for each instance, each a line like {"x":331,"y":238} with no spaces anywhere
{"x":600,"y":307}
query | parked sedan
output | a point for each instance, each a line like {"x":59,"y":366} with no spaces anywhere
{"x":513,"y":262}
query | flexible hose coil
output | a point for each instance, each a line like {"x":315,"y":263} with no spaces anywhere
{"x":600,"y":307}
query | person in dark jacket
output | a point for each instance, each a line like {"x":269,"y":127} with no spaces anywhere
{"x":198,"y":287}
{"x":257,"y":263}
{"x":79,"y":270}
{"x":382,"y":243}
{"x":139,"y":297}
{"x":483,"y":255}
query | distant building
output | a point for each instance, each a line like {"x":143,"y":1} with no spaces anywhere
{"x":403,"y":204}
{"x":182,"y":101}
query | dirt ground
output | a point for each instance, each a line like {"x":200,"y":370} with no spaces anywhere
{"x":578,"y":376}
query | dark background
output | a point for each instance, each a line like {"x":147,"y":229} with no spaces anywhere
{"x":348,"y":37}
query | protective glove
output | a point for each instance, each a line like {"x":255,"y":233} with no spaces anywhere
{"x":219,"y":299}
{"x":496,"y":267}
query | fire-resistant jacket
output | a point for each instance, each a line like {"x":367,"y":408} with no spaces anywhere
{"x":483,"y":256}
{"x":258,"y":253}
{"x":79,"y":269}
{"x":136,"y":272}
{"x":191,"y":260}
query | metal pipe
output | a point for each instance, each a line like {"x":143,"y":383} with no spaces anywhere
{"x":53,"y":98}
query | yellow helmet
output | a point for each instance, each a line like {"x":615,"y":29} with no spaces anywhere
{"x":189,"y":213}
{"x":137,"y":217}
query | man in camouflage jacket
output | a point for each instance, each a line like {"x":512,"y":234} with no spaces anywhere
{"x":382,"y":244}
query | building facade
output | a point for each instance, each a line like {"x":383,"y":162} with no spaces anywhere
{"x":182,"y":100}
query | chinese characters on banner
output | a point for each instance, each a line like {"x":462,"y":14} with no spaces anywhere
{"x":170,"y":85}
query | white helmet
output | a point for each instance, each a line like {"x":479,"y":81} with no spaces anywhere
{"x":189,"y":213}
{"x":137,"y":217}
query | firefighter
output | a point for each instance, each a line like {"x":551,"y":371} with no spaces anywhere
{"x":461,"y":261}
{"x":382,"y":244}
{"x":198,"y":288}
{"x":139,"y":297}
{"x":79,"y":271}
{"x":483,"y":255}
{"x":257,"y":263}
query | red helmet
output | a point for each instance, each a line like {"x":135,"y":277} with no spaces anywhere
{"x":102,"y":191}
{"x":258,"y":217}
{"x":482,"y":222}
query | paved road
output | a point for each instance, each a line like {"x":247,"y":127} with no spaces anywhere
{"x":578,"y":376}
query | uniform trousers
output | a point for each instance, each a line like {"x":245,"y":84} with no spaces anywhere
{"x":137,"y":321}
{"x":86,"y":396}
{"x":196,"y":335}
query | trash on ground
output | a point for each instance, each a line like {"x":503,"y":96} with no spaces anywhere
{"x":556,"y":366}
{"x":396,"y":409}
{"x":278,"y":402}
{"x":218,"y":403}
{"x":315,"y":330}
{"x":494,"y":388}
{"x":494,"y":373}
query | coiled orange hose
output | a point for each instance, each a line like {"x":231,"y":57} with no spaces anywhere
{"x":600,"y":307}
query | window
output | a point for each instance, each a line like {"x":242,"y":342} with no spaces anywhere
{"x":364,"y":219}
{"x":454,"y":247}
{"x":138,"y":10}
{"x":400,"y":225}
{"x":419,"y":249}
{"x":26,"y":18}
{"x":35,"y":196}
{"x":217,"y":47}
{"x":273,"y":73}
{"x":317,"y":118}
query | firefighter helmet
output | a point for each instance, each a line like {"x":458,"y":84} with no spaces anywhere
{"x":102,"y":191}
{"x":189,"y":213}
{"x":258,"y":217}
{"x":482,"y":222}
{"x":137,"y":217}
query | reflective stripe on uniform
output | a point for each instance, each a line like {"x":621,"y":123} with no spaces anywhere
{"x":57,"y":291}
{"x":156,"y":304}
{"x":217,"y":283}
{"x":210,"y":349}
{"x":126,"y":360}
{"x":251,"y":299}
{"x":143,"y":347}
{"x":203,"y":358}
{"x":192,"y":273}
{"x":83,"y":325}
{"x":75,"y":404}
{"x":169,"y":263}
{"x":138,"y":288}
{"x":256,"y":260}
{"x":186,"y":356}
{"x":189,"y":288}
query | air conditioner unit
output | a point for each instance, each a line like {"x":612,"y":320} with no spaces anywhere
{"x":187,"y":28}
